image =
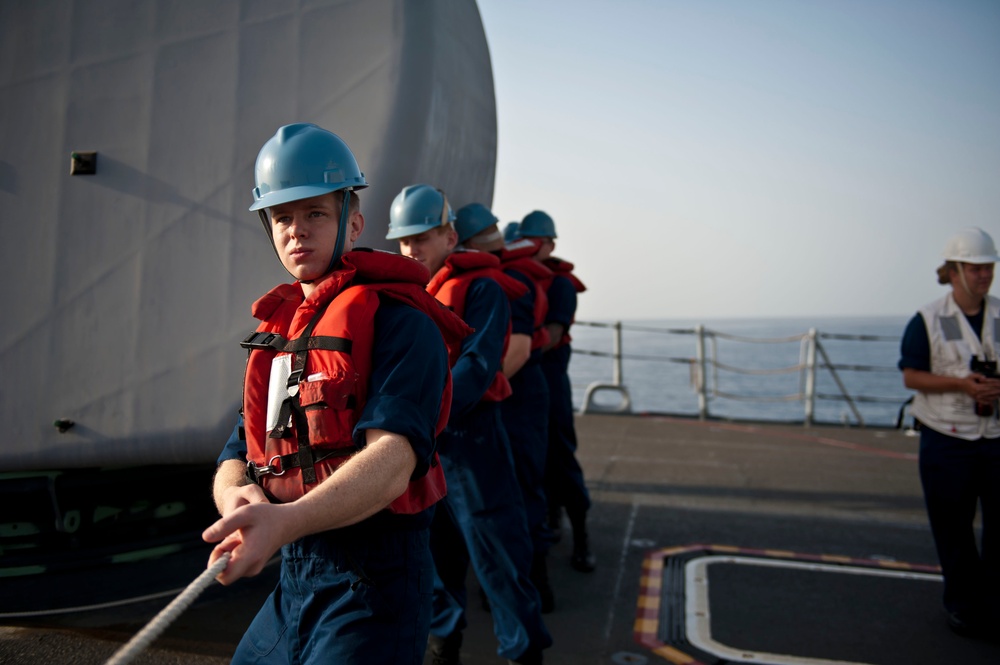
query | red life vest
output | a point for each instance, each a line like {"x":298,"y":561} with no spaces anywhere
{"x":451,"y":284}
{"x":561,"y":268}
{"x":328,"y":339}
{"x":564,"y":268}
{"x":519,"y":256}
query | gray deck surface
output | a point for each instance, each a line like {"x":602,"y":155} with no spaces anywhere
{"x":659,"y":483}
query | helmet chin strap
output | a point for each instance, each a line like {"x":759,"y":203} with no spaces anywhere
{"x":338,"y":251}
{"x":965,"y":286}
{"x":345,"y":213}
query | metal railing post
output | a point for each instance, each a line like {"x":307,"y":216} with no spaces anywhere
{"x":840,"y":384}
{"x":699,"y":331}
{"x":616,"y":377}
{"x":810,"y":396}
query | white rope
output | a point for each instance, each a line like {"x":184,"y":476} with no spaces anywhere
{"x":168,"y":614}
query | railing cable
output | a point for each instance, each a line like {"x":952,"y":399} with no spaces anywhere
{"x":707,"y":362}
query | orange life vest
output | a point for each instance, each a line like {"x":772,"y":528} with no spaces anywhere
{"x":451,"y":284}
{"x":325,"y":342}
{"x":519,"y":256}
{"x":564,"y":268}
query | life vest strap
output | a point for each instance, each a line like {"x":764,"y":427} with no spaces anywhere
{"x":279,"y":464}
{"x":275,"y":342}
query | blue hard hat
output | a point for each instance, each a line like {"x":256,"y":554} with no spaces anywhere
{"x":302,"y":161}
{"x":512,"y":232}
{"x":416,"y":209}
{"x":472,"y":219}
{"x":537,"y":225}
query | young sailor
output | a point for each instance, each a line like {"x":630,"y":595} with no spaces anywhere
{"x":482,"y":519}
{"x":526,"y":413}
{"x":347,"y":385}
{"x":564,"y":482}
{"x":511,"y":232}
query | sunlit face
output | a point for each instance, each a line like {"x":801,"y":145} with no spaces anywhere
{"x":431,"y":247}
{"x":305,"y":235}
{"x":978,"y":278}
{"x":545,"y":249}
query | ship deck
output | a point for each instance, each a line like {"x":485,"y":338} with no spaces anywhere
{"x":716,"y":542}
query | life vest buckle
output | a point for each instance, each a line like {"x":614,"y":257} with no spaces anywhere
{"x":293,"y":381}
{"x":263,"y":340}
{"x":273,"y":468}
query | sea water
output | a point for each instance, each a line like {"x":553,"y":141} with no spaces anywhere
{"x":755,"y":368}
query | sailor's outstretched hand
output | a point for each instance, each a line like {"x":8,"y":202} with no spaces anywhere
{"x":252,"y":533}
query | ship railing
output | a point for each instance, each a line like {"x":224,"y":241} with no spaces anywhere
{"x":705,"y":363}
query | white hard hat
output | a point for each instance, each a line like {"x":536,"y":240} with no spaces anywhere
{"x":971,"y":245}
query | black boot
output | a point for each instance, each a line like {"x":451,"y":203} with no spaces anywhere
{"x":529,"y":657}
{"x":540,"y":578}
{"x":555,"y":522}
{"x":582,"y":559}
{"x":445,"y":650}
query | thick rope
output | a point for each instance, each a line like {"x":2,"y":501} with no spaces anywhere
{"x":168,"y":614}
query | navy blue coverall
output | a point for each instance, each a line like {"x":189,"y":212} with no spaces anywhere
{"x":525,"y":415}
{"x":564,"y":482}
{"x":482,"y":517}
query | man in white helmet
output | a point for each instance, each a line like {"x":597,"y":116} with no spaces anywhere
{"x":949,"y":356}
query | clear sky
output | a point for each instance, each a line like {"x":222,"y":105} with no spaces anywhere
{"x":745,"y":158}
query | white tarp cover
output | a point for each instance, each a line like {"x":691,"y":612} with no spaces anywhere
{"x":125,"y":294}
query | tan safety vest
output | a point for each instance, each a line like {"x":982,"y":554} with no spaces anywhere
{"x":953,"y":343}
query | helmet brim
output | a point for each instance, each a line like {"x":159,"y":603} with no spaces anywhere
{"x":412,"y":230}
{"x":280,"y":196}
{"x":985,"y":258}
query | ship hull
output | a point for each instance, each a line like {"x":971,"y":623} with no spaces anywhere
{"x":126,"y":168}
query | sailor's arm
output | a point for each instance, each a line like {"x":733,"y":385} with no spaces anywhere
{"x":518,"y":351}
{"x":361,"y":487}
{"x":522,"y":319}
{"x":915,"y":362}
{"x":231,"y":489}
{"x":367,"y":483}
{"x":556,"y":332}
{"x":562,"y":308}
{"x":974,"y":385}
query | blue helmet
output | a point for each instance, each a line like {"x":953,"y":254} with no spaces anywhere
{"x":416,"y":209}
{"x":537,"y":225}
{"x":512,"y":232}
{"x":472,"y":219}
{"x":302,"y":161}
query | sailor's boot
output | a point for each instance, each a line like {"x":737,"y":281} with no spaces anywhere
{"x":445,"y":650}
{"x":582,"y":559}
{"x":529,"y":657}
{"x":540,"y":578}
{"x":555,"y":521}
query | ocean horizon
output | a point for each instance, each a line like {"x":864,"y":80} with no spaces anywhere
{"x":754,"y":368}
